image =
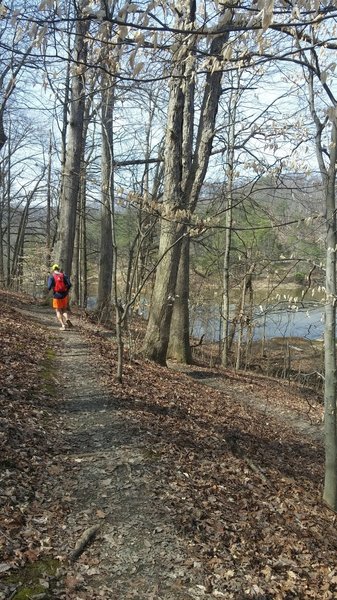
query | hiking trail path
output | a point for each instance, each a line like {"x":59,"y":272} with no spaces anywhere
{"x":105,"y":481}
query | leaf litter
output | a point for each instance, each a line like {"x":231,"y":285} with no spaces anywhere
{"x":189,"y":490}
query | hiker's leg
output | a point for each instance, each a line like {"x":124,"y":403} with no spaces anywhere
{"x":67,"y":321}
{"x":64,"y":316}
{"x":59,"y":317}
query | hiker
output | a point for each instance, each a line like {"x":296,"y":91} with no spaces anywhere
{"x":59,"y":282}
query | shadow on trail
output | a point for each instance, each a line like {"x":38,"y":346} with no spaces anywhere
{"x":173,"y":430}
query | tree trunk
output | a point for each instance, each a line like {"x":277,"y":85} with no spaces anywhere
{"x":82,"y":252}
{"x":242,"y":317}
{"x":48,"y":217}
{"x":2,"y":269}
{"x":72,"y":167}
{"x":79,"y":260}
{"x":330,"y":388}
{"x":158,"y":330}
{"x":181,"y":190}
{"x":328,"y":176}
{"x":18,"y":247}
{"x":75,"y":290}
{"x":229,"y":218}
{"x":3,"y":136}
{"x":106,"y":250}
{"x":9,"y":208}
{"x":225,"y":312}
{"x":195,"y":167}
{"x":179,"y":347}
{"x":179,"y":342}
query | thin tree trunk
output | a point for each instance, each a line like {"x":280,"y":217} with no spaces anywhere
{"x":18,"y":247}
{"x":229,"y":219}
{"x":48,"y":217}
{"x":8,"y":194}
{"x":330,"y":388}
{"x":241,"y":318}
{"x":117,"y":301}
{"x":2,"y":206}
{"x":225,"y":312}
{"x":241,"y":324}
{"x":328,"y":176}
{"x":106,"y":247}
{"x":16,"y":267}
{"x":3,"y":136}
{"x":83,"y":257}
{"x":75,"y":290}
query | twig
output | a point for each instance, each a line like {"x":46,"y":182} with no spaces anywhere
{"x":84,"y":540}
{"x":6,"y":536}
{"x":198,"y":343}
{"x":257,"y":470}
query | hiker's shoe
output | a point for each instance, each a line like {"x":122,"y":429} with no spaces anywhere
{"x":69,"y":324}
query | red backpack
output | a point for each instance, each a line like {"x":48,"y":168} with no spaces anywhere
{"x":60,"y":286}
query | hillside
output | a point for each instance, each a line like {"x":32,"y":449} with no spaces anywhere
{"x":173,"y":485}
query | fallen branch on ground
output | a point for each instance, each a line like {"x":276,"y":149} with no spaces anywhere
{"x":84,"y":540}
{"x":258,"y":471}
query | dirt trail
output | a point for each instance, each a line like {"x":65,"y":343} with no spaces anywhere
{"x":104,"y":475}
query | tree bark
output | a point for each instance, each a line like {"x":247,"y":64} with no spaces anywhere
{"x":229,"y":218}
{"x":330,"y":388}
{"x":2,"y":269}
{"x":3,"y":136}
{"x":328,"y":176}
{"x":72,"y":168}
{"x":158,"y":329}
{"x":106,"y":248}
{"x":8,"y":193}
{"x":180,"y":191}
{"x":48,"y":208}
{"x":179,"y":347}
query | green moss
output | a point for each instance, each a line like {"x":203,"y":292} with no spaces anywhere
{"x":28,"y":578}
{"x":47,"y":373}
{"x":25,"y":593}
{"x":150,"y":455}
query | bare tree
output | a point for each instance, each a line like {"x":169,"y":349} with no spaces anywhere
{"x":181,"y":192}
{"x":72,"y":168}
{"x":326,"y":152}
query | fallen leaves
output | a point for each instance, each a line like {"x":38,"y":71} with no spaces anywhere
{"x":241,"y":491}
{"x":26,"y":443}
{"x":244,"y":491}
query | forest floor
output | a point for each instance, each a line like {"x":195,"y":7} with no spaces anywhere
{"x":176,"y":484}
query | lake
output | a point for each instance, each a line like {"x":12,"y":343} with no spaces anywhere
{"x":306,"y":322}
